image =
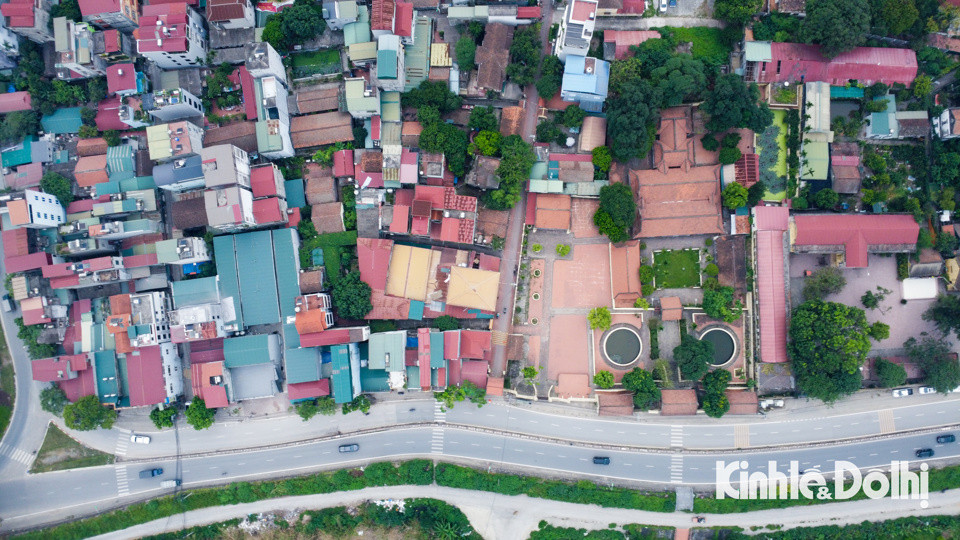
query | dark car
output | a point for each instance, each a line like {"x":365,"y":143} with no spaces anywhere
{"x":601,"y":460}
{"x":925,"y":452}
{"x":346,"y":448}
{"x":944,"y":439}
{"x":150,"y":473}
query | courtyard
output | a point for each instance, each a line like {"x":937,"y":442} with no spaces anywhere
{"x":676,"y":269}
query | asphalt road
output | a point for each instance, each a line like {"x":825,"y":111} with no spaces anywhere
{"x":46,"y":497}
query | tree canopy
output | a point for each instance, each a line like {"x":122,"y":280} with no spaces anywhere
{"x":525,"y":55}
{"x":630,"y":116}
{"x":693,"y":357}
{"x":88,"y":414}
{"x":945,"y":313}
{"x":198,"y":415}
{"x":551,"y":77}
{"x":483,"y":119}
{"x":646,"y":394}
{"x":446,"y":322}
{"x":53,"y":400}
{"x":295,"y":25}
{"x":734,"y":196}
{"x":466,"y":51}
{"x":888,"y":373}
{"x":432,"y":94}
{"x":600,"y":318}
{"x":17,"y":123}
{"x":828,"y":344}
{"x":57,"y":185}
{"x":601,"y":158}
{"x":603,"y":379}
{"x":351,"y":296}
{"x":617,"y":212}
{"x":516,"y":160}
{"x":715,"y":402}
{"x":736,"y":11}
{"x":718,"y":303}
{"x":734,"y":104}
{"x":836,"y":25}
{"x":162,"y":418}
{"x":680,"y":79}
{"x":934,"y":355}
{"x":823,"y":282}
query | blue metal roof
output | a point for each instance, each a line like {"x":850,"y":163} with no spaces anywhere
{"x":436,"y":350}
{"x":302,"y":365}
{"x":575,"y":80}
{"x":192,"y":292}
{"x":62,"y":121}
{"x":246,"y":350}
{"x":296,"y":198}
{"x":416,"y":310}
{"x":258,"y":279}
{"x":340,"y":374}
{"x":226,"y":258}
{"x":287,"y":263}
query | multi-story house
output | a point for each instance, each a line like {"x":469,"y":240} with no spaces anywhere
{"x":576,"y":29}
{"x":28,"y":18}
{"x":116,"y":14}
{"x":172,"y":36}
{"x":231,"y":14}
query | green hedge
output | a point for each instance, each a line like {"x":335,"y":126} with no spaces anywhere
{"x":582,"y":492}
{"x":894,"y":529}
{"x":416,"y":472}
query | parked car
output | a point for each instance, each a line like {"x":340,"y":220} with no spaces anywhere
{"x":925,"y":452}
{"x":945,"y":439}
{"x":170,"y":483}
{"x":927,"y":390}
{"x":903,"y":392}
{"x":601,"y":460}
{"x":673,"y":3}
{"x":663,"y":5}
{"x":150,"y":473}
{"x":140,"y":439}
{"x":7,"y":303}
{"x":347,"y":448}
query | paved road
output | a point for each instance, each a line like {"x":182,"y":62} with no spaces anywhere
{"x":46,"y":497}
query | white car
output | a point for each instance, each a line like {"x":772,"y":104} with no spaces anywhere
{"x":903,"y":392}
{"x":927,"y":390}
{"x":663,"y":6}
{"x":140,"y":439}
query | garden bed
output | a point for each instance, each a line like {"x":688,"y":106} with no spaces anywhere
{"x":322,"y":62}
{"x":676,"y":269}
{"x":773,"y":168}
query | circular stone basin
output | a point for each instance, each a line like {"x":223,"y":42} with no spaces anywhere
{"x":622,"y":346}
{"x":724,"y":346}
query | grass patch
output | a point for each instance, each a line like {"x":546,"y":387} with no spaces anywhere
{"x":707,"y":43}
{"x":8,"y":386}
{"x":678,"y":269}
{"x":59,"y":452}
{"x":780,"y":168}
{"x":324,"y":61}
{"x":332,"y":245}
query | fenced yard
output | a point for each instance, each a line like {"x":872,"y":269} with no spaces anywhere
{"x":322,"y":62}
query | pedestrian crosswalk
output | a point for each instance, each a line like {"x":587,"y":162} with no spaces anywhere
{"x":887,"y":422}
{"x":123,"y":439}
{"x":16,"y":454}
{"x":439,"y":412}
{"x":122,"y":488}
{"x":741,"y":436}
{"x":440,"y":416}
{"x":676,"y":469}
{"x":676,"y":436}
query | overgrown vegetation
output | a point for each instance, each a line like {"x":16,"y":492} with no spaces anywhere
{"x":59,"y":452}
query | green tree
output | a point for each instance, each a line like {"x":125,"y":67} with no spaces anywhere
{"x":551,"y":77}
{"x":295,"y":25}
{"x":734,"y":104}
{"x":935,"y":357}
{"x":466,"y":51}
{"x":837,"y":25}
{"x":87,"y":132}
{"x":617,"y":203}
{"x":734,"y":196}
{"x":483,"y":119}
{"x":755,"y":193}
{"x":486,"y":143}
{"x":922,"y":86}
{"x":112,"y":137}
{"x":97,"y":89}
{"x":57,"y":185}
{"x":897,"y":16}
{"x":52,"y":399}
{"x":680,"y":80}
{"x":711,"y":270}
{"x":351,"y":296}
{"x":736,"y":11}
{"x":162,"y":418}
{"x":945,"y":313}
{"x":693,"y":356}
{"x":872,"y":300}
{"x":824,"y":282}
{"x":646,"y":274}
{"x":624,"y":71}
{"x":718,"y":303}
{"x":888,"y":373}
{"x":603,"y":379}
{"x":828,"y":344}
{"x":198,"y":415}
{"x":600,"y":318}
{"x":573,"y":116}
{"x":30,"y":335}
{"x":716,"y":381}
{"x":18,"y":123}
{"x":67,"y":8}
{"x":630,"y":115}
{"x":601,"y":158}
{"x":879,"y":331}
{"x":88,"y":414}
{"x":432,"y":94}
{"x":307,"y":409}
{"x":729,"y":156}
{"x":326,"y":405}
{"x":547,"y":131}
{"x":516,"y":160}
{"x":646,"y":394}
{"x":607,"y":227}
{"x":446,"y":322}
{"x":525,"y":55}
{"x":716,"y":405}
{"x":826,"y":199}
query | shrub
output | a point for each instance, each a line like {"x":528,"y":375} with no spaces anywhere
{"x":712,"y":270}
{"x":718,"y":303}
{"x":729,"y":156}
{"x":824,"y":282}
{"x":640,"y":383}
{"x":879,"y":331}
{"x":600,"y":318}
{"x":162,"y":418}
{"x":563,"y":250}
{"x":646,"y":274}
{"x":708,"y":242}
{"x":888,"y":373}
{"x":646,"y":289}
{"x":53,"y":400}
{"x":446,"y":322}
{"x":537,"y":248}
{"x":710,"y":143}
{"x":603,"y":379}
{"x":88,"y":414}
{"x":641,"y":303}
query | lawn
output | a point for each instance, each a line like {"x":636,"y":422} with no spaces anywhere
{"x":775,"y":180}
{"x":8,"y":387}
{"x":59,"y":452}
{"x":324,"y":61}
{"x":706,"y":43}
{"x":676,"y":269}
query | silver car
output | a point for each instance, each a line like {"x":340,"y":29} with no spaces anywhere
{"x":140,"y":439}
{"x":903,"y":392}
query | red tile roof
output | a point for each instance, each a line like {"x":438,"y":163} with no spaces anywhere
{"x":373,"y":256}
{"x":742,"y":402}
{"x":163,"y":27}
{"x":381,"y":15}
{"x":401,"y":219}
{"x":403,"y":19}
{"x":83,"y":385}
{"x":145,"y":377}
{"x":307,"y":390}
{"x":14,"y":101}
{"x":267,"y":211}
{"x":91,"y":170}
{"x":423,"y":357}
{"x":343,"y":163}
{"x":96,"y":7}
{"x":867,"y":65}
{"x":91,"y":147}
{"x":624,"y":39}
{"x":16,"y":242}
{"x":475,"y":344}
{"x":747,"y":170}
{"x":528,"y":12}
{"x":23,"y":263}
{"x":20,"y":13}
{"x":248,"y":93}
{"x":139,"y":261}
{"x":121,"y":78}
{"x":856,"y":233}
{"x":225,"y":10}
{"x":213,"y":395}
{"x":771,"y":223}
{"x":475,"y":371}
{"x":674,"y":402}
{"x":262,"y":181}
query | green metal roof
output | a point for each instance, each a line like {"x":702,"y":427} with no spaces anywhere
{"x":383,"y":344}
{"x":303,"y":365}
{"x":340,"y":374}
{"x":258,"y":279}
{"x":846,"y":92}
{"x":120,"y":158}
{"x":246,"y":351}
{"x":226,"y":258}
{"x":288,"y":269}
{"x":266,"y":141}
{"x":358,"y":32}
{"x":389,"y":108}
{"x":109,"y":187}
{"x":386,"y":64}
{"x":291,"y":338}
{"x":546,"y":186}
{"x":108,"y":384}
{"x":436,"y":350}
{"x":817,"y":162}
{"x":192,"y":292}
{"x":296,"y":198}
{"x":167,"y":252}
{"x":20,"y":154}
{"x":584,"y":189}
{"x":62,"y":121}
{"x":416,"y":57}
{"x":374,"y":380}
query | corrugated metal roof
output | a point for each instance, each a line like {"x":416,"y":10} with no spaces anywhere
{"x":302,"y":365}
{"x":226,"y":258}
{"x":287,"y":269}
{"x":257,"y":277}
{"x":194,"y":292}
{"x":771,"y":222}
{"x":384,"y":345}
{"x":246,"y":350}
{"x":340,"y":374}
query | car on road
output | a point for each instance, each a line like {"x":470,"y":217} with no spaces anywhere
{"x":924,"y":452}
{"x":601,"y":460}
{"x":347,"y":448}
{"x":945,"y":439}
{"x":150,"y":473}
{"x":903,"y":392}
{"x":927,"y":390}
{"x":140,"y":439}
{"x":170,"y":483}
